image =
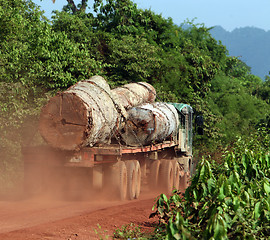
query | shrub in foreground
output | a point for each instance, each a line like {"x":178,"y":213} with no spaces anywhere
{"x":224,"y":201}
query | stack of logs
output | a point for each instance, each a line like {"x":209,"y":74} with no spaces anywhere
{"x":90,"y":113}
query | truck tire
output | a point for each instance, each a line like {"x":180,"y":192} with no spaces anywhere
{"x":138,"y":175}
{"x":154,"y":175}
{"x":115,"y":181}
{"x":131,"y":180}
{"x":166,"y":176}
{"x":176,"y":177}
{"x":123,"y":181}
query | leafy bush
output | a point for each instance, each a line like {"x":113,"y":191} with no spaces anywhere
{"x":224,"y":201}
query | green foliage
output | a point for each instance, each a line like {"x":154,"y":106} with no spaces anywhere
{"x":130,"y":231}
{"x":61,"y":63}
{"x":238,"y":69}
{"x":16,"y":102}
{"x":258,"y":141}
{"x":78,"y":28}
{"x":238,"y":109}
{"x":212,"y":135}
{"x":74,"y":8}
{"x":179,"y":60}
{"x":35,"y":60}
{"x":224,"y":201}
{"x":263,"y":90}
{"x":117,"y":16}
{"x":101,"y":234}
{"x":18,"y":23}
{"x":33,"y":53}
{"x":132,"y":59}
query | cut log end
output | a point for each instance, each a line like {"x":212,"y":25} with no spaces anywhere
{"x":64,"y":121}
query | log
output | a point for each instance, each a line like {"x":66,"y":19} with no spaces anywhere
{"x":83,"y":115}
{"x":150,"y":123}
{"x":134,"y":94}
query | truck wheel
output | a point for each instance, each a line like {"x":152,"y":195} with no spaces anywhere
{"x":131,"y":180}
{"x":166,"y":176}
{"x":138,"y":175}
{"x":123,"y":181}
{"x":154,"y":174}
{"x":176,"y":177}
{"x":115,"y":180}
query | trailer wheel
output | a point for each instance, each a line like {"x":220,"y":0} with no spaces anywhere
{"x":123,"y":181}
{"x":166,"y":176}
{"x":115,"y":180}
{"x":154,"y":174}
{"x":131,"y":180}
{"x":176,"y":179}
{"x":138,"y":175}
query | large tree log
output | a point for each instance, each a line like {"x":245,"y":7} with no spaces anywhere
{"x":83,"y":115}
{"x":150,"y":123}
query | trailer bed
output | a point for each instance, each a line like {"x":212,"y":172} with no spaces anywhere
{"x":116,"y":149}
{"x":89,"y":156}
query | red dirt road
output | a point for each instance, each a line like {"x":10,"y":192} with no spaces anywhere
{"x":46,"y":219}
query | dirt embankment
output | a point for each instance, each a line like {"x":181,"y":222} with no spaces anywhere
{"x":42,"y":218}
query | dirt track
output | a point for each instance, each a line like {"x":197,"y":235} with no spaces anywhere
{"x":46,"y":219}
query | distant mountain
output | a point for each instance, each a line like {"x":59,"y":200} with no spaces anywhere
{"x":250,"y":44}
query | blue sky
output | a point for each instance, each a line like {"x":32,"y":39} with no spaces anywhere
{"x":229,"y":14}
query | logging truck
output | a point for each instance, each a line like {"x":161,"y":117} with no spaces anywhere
{"x":117,"y":141}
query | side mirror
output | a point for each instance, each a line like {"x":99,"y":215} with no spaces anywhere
{"x":199,"y":120}
{"x":199,"y":124}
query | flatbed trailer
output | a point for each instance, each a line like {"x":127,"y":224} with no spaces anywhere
{"x":114,"y":168}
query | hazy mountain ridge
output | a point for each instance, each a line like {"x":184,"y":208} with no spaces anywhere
{"x":250,"y":44}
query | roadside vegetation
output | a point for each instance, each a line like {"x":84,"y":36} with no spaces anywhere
{"x":39,"y":57}
{"x":225,"y":200}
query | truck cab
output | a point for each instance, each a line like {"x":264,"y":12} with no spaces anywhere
{"x":185,"y":113}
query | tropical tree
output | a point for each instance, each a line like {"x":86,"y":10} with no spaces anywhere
{"x":75,"y":8}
